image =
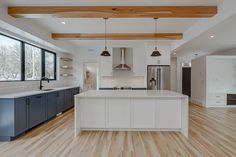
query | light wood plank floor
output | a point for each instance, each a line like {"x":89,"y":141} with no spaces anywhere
{"x":212,"y":134}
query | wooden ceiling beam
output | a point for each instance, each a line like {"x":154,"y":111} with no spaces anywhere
{"x":118,"y":36}
{"x":112,"y":11}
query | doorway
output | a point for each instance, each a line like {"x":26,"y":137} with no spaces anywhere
{"x":186,"y":81}
{"x":91,"y":73}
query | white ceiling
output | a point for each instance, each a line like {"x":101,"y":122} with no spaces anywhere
{"x":133,"y":25}
{"x":224,"y":39}
{"x":110,"y":2}
{"x":113,"y":26}
{"x":74,"y":25}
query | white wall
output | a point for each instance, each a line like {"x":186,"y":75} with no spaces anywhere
{"x":198,"y":81}
{"x":92,"y":54}
{"x":211,"y":75}
{"x":85,"y":55}
{"x":125,"y":78}
{"x":173,"y":74}
{"x":221,"y":74}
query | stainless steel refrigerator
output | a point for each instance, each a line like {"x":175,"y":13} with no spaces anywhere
{"x":158,"y":77}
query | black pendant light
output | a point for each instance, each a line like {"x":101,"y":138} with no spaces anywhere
{"x":155,"y":53}
{"x":105,"y":51}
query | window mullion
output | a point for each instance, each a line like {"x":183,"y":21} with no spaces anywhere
{"x":43,"y":63}
{"x":55,"y":67}
{"x":22,"y":61}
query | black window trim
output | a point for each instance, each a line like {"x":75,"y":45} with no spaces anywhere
{"x":55,"y":63}
{"x":43,"y":50}
{"x":24,"y":60}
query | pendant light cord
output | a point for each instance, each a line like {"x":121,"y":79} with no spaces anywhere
{"x":105,"y":33}
{"x":155,"y":33}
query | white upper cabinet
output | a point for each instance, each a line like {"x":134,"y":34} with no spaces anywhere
{"x":139,"y":61}
{"x":106,"y":64}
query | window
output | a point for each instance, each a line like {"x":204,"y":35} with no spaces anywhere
{"x":10,"y":59}
{"x":21,"y":61}
{"x":50,"y":65}
{"x":33,"y":62}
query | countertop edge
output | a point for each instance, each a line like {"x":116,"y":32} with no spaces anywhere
{"x":182,"y":97}
{"x":34,"y":92}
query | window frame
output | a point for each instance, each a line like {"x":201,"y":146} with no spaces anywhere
{"x":43,"y":50}
{"x":43,"y":63}
{"x":24,"y":60}
{"x":21,"y":53}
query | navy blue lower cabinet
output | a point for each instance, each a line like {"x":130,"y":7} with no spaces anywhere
{"x":37,"y":110}
{"x":60,"y":101}
{"x":13,"y":118}
{"x":21,"y":121}
{"x":18,"y":115}
{"x":68,"y":99}
{"x":51,"y":105}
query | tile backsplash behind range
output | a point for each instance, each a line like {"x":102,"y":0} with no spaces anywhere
{"x":123,"y":78}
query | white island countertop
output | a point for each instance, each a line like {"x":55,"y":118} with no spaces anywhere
{"x":33,"y":92}
{"x":130,"y":94}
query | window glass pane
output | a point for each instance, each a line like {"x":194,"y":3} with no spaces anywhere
{"x":33,"y":63}
{"x":10,"y":59}
{"x":50,"y":65}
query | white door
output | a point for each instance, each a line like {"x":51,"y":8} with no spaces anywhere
{"x":168,"y":114}
{"x":143,"y":113}
{"x":93,"y":113}
{"x":118,"y":113}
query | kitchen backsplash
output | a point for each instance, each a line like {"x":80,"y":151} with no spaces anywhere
{"x":123,"y":78}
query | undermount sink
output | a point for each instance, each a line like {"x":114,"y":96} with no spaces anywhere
{"x":46,"y":89}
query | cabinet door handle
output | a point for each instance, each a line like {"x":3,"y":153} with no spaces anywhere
{"x":38,"y":97}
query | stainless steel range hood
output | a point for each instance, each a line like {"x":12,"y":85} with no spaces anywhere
{"x":122,"y":65}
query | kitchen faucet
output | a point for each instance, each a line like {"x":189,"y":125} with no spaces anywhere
{"x":41,"y":81}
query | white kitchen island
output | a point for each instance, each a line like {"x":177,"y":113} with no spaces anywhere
{"x":130,"y":110}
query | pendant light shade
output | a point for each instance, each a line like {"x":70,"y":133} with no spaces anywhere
{"x":105,"y":52}
{"x":155,"y":53}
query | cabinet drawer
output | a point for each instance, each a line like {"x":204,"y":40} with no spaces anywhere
{"x":218,"y":96}
{"x":215,"y":102}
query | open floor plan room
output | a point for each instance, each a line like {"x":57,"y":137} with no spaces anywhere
{"x":206,"y":138}
{"x":134,"y":78}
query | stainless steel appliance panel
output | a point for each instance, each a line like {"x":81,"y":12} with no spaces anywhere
{"x":158,"y":77}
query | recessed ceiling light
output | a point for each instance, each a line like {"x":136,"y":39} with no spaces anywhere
{"x":63,"y":22}
{"x":212,"y":36}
